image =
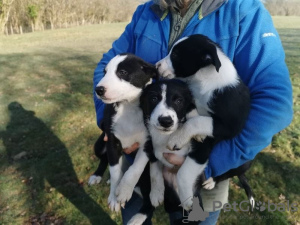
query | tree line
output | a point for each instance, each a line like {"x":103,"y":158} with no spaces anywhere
{"x":18,"y":16}
{"x":283,"y":7}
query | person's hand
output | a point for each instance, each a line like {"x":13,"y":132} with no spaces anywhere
{"x":176,"y":160}
{"x":129,"y":150}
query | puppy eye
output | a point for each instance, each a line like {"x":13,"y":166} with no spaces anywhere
{"x":104,"y":71}
{"x":178,"y":101}
{"x":174,"y":54}
{"x":154,"y":99}
{"x":123,"y":73}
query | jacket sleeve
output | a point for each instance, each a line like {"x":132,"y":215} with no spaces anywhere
{"x":260,"y":61}
{"x":124,"y":44}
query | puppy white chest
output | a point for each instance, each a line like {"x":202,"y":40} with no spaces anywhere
{"x":128,"y":125}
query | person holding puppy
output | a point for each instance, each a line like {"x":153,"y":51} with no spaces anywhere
{"x":245,"y":32}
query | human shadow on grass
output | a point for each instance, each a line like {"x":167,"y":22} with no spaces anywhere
{"x":46,"y":161}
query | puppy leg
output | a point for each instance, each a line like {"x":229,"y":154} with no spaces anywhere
{"x":147,"y":208}
{"x":100,"y":152}
{"x":132,"y":175}
{"x":115,"y":164}
{"x":191,"y":170}
{"x":97,"y":176}
{"x":115,"y":177}
{"x":157,"y":184}
{"x":186,"y":180}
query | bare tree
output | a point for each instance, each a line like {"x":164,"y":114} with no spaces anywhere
{"x":20,"y":16}
{"x":5,"y":8}
{"x":283,"y":7}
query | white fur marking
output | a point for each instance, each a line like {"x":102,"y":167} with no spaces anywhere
{"x":94,"y":180}
{"x":162,"y":110}
{"x":116,"y":89}
{"x":252,"y":202}
{"x":137,"y":219}
{"x":131,"y":177}
{"x":115,"y":177}
{"x":157,"y":184}
{"x":186,"y":179}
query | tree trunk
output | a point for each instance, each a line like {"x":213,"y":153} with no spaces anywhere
{"x":11,"y":29}
{"x":6,"y":30}
{"x":21,"y":29}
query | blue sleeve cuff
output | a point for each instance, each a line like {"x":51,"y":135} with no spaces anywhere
{"x":207,"y":172}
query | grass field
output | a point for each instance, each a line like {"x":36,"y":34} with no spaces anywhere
{"x":47,"y":130}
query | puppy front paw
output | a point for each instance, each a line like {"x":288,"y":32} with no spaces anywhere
{"x":177,"y":140}
{"x":157,"y":197}
{"x":200,"y":138}
{"x":113,"y":203}
{"x":187,"y":204}
{"x":124,"y":191}
{"x":185,"y":190}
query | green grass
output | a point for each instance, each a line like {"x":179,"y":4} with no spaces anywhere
{"x":47,"y":111}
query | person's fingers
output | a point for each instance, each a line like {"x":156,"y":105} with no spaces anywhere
{"x":131,"y":149}
{"x":105,"y":138}
{"x":176,"y":160}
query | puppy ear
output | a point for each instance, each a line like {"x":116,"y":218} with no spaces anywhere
{"x":212,"y":57}
{"x":150,"y":70}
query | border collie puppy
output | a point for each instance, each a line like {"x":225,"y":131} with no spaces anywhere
{"x":221,"y":98}
{"x":125,"y":77}
{"x":166,"y":104}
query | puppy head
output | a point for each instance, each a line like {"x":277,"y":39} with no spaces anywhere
{"x":165,"y":104}
{"x":189,"y":55}
{"x":124,"y":78}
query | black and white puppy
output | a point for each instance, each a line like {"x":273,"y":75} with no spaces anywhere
{"x":221,"y":98}
{"x":125,"y":77}
{"x":166,"y":105}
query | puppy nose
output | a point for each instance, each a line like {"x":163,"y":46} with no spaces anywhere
{"x":100,"y":90}
{"x":165,"y":121}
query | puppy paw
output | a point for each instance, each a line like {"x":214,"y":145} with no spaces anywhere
{"x":200,"y":138}
{"x":124,"y":192}
{"x":113,"y":203}
{"x":209,"y":184}
{"x":94,"y":180}
{"x":157,"y":197}
{"x":187,"y":204}
{"x":177,"y":141}
{"x":137,"y":219}
{"x":186,"y":195}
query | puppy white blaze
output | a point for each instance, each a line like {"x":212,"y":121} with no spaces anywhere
{"x":117,"y":89}
{"x":162,"y":110}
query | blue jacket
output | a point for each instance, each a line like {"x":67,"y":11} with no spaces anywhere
{"x":245,"y":31}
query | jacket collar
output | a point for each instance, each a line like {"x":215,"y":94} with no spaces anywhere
{"x":208,"y":6}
